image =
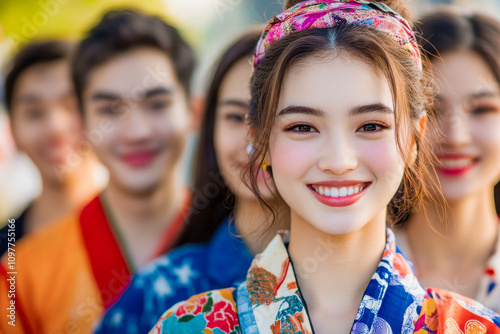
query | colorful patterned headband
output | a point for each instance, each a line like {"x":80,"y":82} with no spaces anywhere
{"x":330,"y":13}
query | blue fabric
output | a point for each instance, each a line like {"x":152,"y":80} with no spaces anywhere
{"x":175,"y":277}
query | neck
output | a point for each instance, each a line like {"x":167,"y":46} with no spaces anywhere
{"x":256,"y":225}
{"x":142,"y":219}
{"x":453,"y":246}
{"x":333,"y":271}
{"x":143,"y":210}
{"x":63,"y":198}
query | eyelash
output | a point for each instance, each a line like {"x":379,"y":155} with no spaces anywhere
{"x":310,"y":127}
{"x":293,"y":126}
{"x":380,"y":125}
{"x":235,"y":118}
{"x":483,"y":110}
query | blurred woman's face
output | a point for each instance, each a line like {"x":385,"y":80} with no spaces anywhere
{"x":45,"y":120}
{"x":230,"y":132}
{"x":468,"y":112}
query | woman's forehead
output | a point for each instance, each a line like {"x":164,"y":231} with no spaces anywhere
{"x":334,"y":83}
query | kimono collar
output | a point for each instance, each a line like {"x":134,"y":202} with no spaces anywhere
{"x":391,"y":303}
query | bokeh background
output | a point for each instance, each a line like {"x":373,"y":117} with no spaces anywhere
{"x":208,"y":25}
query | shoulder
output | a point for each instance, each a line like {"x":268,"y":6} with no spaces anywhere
{"x":444,"y":311}
{"x":214,"y":311}
{"x":49,"y":240}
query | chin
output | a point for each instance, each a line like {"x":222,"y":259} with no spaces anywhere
{"x":140,"y":188}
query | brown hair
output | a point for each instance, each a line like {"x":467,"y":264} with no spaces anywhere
{"x":34,"y":53}
{"x":206,"y":212}
{"x":120,"y":31}
{"x":411,"y":88}
{"x":447,"y":30}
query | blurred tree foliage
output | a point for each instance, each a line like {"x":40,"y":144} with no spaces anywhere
{"x":24,"y":20}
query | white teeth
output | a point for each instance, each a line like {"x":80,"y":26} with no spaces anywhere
{"x":338,"y":192}
{"x":456,"y":163}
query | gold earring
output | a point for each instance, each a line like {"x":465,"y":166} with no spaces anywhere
{"x":264,"y":165}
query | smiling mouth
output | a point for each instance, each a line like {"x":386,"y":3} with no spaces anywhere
{"x":139,"y":159}
{"x":336,"y":192}
{"x":457,"y":163}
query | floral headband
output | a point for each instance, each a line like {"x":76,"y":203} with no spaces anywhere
{"x":330,"y":13}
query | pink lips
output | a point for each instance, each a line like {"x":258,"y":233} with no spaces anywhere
{"x":455,"y":169}
{"x":341,"y":200}
{"x":139,"y":159}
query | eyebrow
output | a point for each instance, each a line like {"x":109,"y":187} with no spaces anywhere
{"x":301,"y":110}
{"x":157,"y":91}
{"x":34,"y":98}
{"x":109,"y":96}
{"x":29,"y":98}
{"x":233,"y":102}
{"x":484,"y":93}
{"x":374,"y":107}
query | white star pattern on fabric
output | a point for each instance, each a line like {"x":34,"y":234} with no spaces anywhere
{"x":117,"y":319}
{"x":162,"y":287}
{"x":184,"y":273}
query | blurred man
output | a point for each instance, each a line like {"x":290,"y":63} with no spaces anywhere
{"x":46,"y":126}
{"x":131,"y":75}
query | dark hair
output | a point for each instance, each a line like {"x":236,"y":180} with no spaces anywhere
{"x":411,"y":88}
{"x":32,"y":54}
{"x":122,"y":30}
{"x":208,"y":212}
{"x":447,"y":30}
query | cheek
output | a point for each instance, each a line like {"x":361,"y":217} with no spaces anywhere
{"x":487,"y":134}
{"x":291,"y":158}
{"x":383,"y":159}
{"x":173,"y":125}
{"x":30,"y":135}
{"x":229,"y":146}
{"x":101,"y":133}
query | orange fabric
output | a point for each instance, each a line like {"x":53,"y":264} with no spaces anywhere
{"x":54,"y":283}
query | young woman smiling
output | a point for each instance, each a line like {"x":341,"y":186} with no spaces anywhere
{"x":339,"y":100}
{"x":458,"y":250}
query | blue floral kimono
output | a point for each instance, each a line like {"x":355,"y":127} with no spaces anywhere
{"x":269,"y":301}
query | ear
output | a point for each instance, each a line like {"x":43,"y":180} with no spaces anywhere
{"x":197,"y":108}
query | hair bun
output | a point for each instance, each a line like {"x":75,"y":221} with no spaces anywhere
{"x":396,"y":5}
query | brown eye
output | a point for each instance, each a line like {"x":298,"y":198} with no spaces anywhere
{"x":236,"y":118}
{"x":302,"y":128}
{"x":483,"y":110}
{"x":372,"y":127}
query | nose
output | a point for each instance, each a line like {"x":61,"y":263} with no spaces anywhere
{"x":58,"y":121}
{"x":136,"y":125}
{"x":337,"y":155}
{"x":455,"y":128}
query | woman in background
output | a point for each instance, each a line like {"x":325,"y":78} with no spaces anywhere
{"x":457,"y":249}
{"x":210,"y":255}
